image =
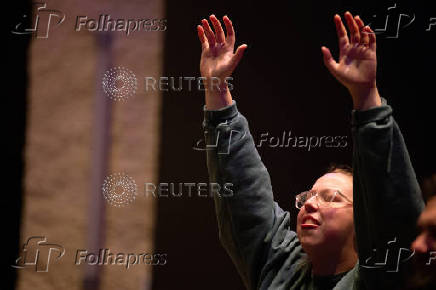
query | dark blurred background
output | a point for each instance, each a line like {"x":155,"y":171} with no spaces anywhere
{"x":281,"y":84}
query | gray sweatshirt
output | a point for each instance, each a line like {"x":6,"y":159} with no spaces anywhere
{"x":256,"y":232}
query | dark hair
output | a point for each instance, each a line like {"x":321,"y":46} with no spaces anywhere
{"x":340,"y":168}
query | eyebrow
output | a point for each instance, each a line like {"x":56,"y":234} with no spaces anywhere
{"x":328,"y":189}
{"x":341,"y":194}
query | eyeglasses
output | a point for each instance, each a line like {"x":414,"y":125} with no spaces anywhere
{"x":325,"y":198}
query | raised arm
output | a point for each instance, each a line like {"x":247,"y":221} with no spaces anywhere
{"x":387,"y":198}
{"x":250,"y":223}
{"x":218,"y":60}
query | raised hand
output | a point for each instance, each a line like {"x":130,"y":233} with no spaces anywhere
{"x":218,"y":60}
{"x":357,"y":65}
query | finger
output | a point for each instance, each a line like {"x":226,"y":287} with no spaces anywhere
{"x":354,"y":29}
{"x":341,"y":31}
{"x":364,"y":39}
{"x":238,"y":55}
{"x":209,"y":33}
{"x":372,"y":38}
{"x":218,"y":29}
{"x":202,"y":37}
{"x":230,"y":31}
{"x":329,"y":62}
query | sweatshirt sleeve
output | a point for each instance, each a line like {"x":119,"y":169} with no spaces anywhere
{"x":249,"y":221}
{"x":387,"y":197}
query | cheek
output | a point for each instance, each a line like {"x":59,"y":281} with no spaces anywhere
{"x":300,"y":215}
{"x":432,"y":244}
{"x":337,"y":221}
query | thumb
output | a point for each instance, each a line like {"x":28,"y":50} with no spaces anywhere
{"x":329,"y":62}
{"x":238,"y":55}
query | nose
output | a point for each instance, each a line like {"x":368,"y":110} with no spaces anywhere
{"x":420,"y":244}
{"x":311,"y":204}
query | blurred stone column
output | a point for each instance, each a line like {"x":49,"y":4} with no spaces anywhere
{"x":60,"y":144}
{"x":100,"y":158}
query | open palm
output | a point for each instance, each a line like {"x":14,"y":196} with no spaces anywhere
{"x":357,"y":64}
{"x":217,"y":57}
